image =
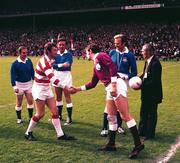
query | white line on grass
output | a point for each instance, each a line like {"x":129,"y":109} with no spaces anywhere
{"x":170,"y":153}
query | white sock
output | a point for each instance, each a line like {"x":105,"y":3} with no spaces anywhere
{"x":57,"y":125}
{"x":32,"y":124}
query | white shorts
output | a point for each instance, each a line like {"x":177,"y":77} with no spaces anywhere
{"x":122,"y":88}
{"x":24,"y":87}
{"x":42,"y":92}
{"x":65,"y":77}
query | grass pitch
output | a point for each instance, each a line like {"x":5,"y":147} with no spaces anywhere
{"x":87,"y":122}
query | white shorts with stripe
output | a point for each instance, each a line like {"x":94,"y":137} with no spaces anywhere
{"x":65,"y":77}
{"x":24,"y":87}
{"x":42,"y":92}
{"x":122,"y":88}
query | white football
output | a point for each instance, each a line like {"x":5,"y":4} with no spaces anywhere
{"x":135,"y":82}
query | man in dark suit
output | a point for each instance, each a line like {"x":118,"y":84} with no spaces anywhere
{"x":151,"y":93}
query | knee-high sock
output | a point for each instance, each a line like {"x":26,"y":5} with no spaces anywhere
{"x":34,"y":120}
{"x":18,"y":111}
{"x":133,"y":129}
{"x":59,"y":105}
{"x":57,"y":125}
{"x":30,"y":110}
{"x":119,"y":120}
{"x":105,"y":121}
{"x":112,"y":137}
{"x":69,"y":111}
{"x":112,"y":129}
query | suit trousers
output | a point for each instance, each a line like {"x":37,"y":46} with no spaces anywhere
{"x":148,"y":119}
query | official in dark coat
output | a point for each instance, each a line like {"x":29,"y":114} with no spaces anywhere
{"x":151,"y":93}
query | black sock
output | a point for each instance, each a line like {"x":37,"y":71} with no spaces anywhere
{"x":119,"y":120}
{"x":69,"y":111}
{"x":18,"y":114}
{"x":112,"y":137}
{"x":105,"y":121}
{"x":60,"y":110}
{"x":30,"y":112}
{"x":135,"y":135}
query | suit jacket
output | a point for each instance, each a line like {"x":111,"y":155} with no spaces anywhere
{"x":151,"y":88}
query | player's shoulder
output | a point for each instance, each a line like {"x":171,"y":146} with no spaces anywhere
{"x":68,"y":52}
{"x":29,"y":60}
{"x":112,"y":52}
{"x":130,"y":54}
{"x":102,"y":55}
{"x":14,"y":62}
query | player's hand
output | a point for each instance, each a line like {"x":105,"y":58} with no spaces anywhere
{"x":55,"y":66}
{"x":66,"y":64}
{"x":114,"y":93}
{"x":16,"y":90}
{"x":73,"y":90}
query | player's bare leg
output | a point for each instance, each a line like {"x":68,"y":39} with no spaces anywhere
{"x":122,"y":106}
{"x":56,"y":121}
{"x":112,"y":118}
{"x":59,"y":102}
{"x":29,"y":104}
{"x":69,"y":108}
{"x":18,"y":108}
{"x":40,"y":111}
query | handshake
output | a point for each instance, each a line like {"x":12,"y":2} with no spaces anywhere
{"x":72,"y":89}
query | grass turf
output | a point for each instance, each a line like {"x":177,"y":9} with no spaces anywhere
{"x":87,"y":121}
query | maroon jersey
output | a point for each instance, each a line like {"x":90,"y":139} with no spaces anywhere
{"x":104,"y":69}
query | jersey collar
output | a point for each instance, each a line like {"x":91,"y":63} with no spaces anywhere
{"x":21,"y":61}
{"x":126,"y":50}
{"x":65,"y":51}
{"x":95,"y":56}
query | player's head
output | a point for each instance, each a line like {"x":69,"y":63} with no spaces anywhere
{"x":91,"y":50}
{"x":61,"y":44}
{"x":22,"y":51}
{"x":120,"y":41}
{"x":147,"y":51}
{"x":50,"y":49}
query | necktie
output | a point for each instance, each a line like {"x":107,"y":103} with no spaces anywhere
{"x":145,"y":69}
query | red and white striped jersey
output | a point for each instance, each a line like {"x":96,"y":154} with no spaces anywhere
{"x":44,"y":72}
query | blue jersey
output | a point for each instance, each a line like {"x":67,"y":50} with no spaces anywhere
{"x":126,"y":62}
{"x":21,"y":71}
{"x":62,"y":58}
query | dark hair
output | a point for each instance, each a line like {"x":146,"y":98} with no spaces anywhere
{"x":19,"y":50}
{"x":62,"y":39}
{"x":48,"y":46}
{"x":123,"y":38}
{"x":94,"y":48}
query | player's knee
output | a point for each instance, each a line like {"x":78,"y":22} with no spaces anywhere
{"x":55,"y":116}
{"x":126,"y":117}
{"x":36,"y":118}
{"x":112,"y":122}
{"x":39,"y":115}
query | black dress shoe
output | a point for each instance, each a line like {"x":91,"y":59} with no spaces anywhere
{"x":107,"y":147}
{"x":66,"y":137}
{"x":135,"y":152}
{"x":30,"y":136}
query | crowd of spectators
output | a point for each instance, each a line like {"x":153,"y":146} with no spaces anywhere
{"x":165,"y":38}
